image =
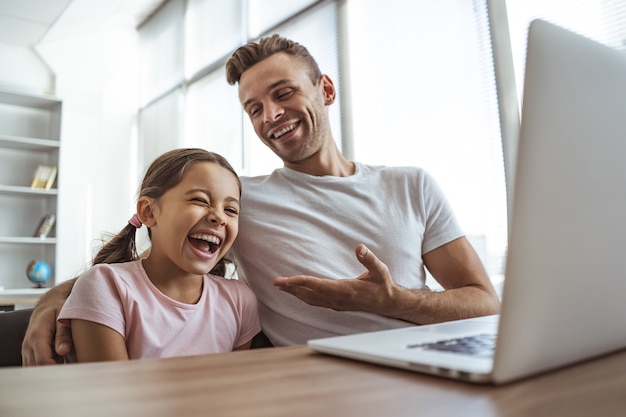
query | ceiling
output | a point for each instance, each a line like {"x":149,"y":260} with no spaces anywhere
{"x":26,"y":23}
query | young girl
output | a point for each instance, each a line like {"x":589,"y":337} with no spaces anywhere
{"x":168,"y":304}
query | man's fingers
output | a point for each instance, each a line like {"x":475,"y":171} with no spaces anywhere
{"x":62,"y":342}
{"x":35,"y":355}
{"x":299,"y":281}
{"x":369,"y":260}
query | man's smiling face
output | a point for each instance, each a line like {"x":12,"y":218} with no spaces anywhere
{"x":286,"y":109}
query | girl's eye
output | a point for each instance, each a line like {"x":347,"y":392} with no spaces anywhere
{"x":199,"y":200}
{"x":232,"y":211}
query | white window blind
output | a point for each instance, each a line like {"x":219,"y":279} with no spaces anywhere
{"x":601,"y":20}
{"x":161,"y":63}
{"x":212,"y":30}
{"x":263,"y":14}
{"x":213,"y":118}
{"x":423,"y":94}
{"x":160,"y":127}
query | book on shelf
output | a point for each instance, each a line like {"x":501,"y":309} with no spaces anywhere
{"x":44,"y":177}
{"x":45,"y":226}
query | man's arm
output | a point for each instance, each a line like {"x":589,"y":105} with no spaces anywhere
{"x":468,"y":292}
{"x":46,"y":341}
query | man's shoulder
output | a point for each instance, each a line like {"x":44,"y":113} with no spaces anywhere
{"x":253,"y":179}
{"x":247,"y":181}
{"x":388,"y":170}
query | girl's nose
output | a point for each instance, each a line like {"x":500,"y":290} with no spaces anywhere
{"x":216,"y":216}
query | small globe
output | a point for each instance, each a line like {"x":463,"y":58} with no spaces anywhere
{"x":38,"y":272}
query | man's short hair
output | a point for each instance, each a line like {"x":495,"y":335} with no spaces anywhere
{"x":254,"y":52}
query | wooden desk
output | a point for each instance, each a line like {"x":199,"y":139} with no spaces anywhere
{"x":295,"y":382}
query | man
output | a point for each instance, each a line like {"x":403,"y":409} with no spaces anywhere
{"x":300,"y":225}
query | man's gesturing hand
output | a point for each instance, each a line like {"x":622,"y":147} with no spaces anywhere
{"x":370,"y":291}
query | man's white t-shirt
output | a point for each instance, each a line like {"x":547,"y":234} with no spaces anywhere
{"x":293,"y":223}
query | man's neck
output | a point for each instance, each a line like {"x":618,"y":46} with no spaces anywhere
{"x":324,"y":163}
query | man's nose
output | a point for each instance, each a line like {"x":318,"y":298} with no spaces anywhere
{"x":273,"y":112}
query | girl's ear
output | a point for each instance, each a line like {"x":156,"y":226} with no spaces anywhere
{"x":145,"y":212}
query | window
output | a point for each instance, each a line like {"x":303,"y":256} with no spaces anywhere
{"x":601,"y":20}
{"x":421,"y":78}
{"x":213,"y":118}
{"x":161,"y":53}
{"x":264,"y":14}
{"x":160,"y":124}
{"x":212,"y":30}
{"x":424,"y":94}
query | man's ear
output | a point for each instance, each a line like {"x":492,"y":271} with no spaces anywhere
{"x":145,"y":211}
{"x":328,"y":90}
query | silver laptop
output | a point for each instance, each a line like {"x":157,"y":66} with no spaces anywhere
{"x":564,"y":295}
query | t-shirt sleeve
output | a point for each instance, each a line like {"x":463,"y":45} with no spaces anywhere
{"x":248,"y":315}
{"x":95,"y":297}
{"x":441,"y":225}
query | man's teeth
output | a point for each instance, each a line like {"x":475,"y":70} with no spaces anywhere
{"x":209,"y":238}
{"x":283,"y":131}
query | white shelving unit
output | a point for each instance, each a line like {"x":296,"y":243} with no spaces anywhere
{"x":30,"y":135}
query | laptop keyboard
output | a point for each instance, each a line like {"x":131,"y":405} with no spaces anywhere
{"x":481,"y":345}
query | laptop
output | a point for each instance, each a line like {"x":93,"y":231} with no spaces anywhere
{"x":564,"y":293}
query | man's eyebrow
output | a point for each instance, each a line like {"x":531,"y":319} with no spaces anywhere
{"x":269,"y":88}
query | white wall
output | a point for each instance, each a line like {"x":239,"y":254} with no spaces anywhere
{"x":96,"y":80}
{"x":23,"y":69}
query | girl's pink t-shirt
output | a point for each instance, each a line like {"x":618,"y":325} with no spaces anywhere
{"x":122,"y":297}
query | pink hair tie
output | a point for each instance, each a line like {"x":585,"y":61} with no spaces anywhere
{"x":135,"y":221}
